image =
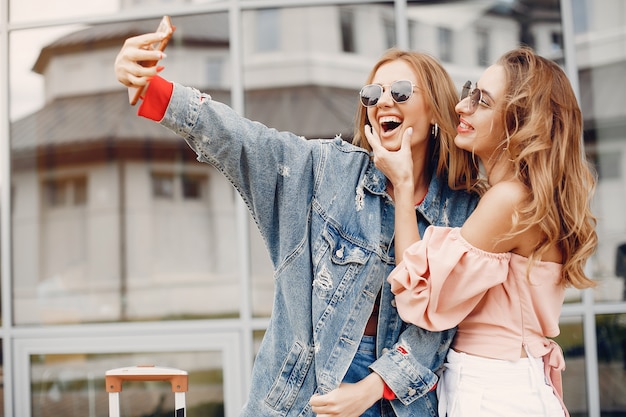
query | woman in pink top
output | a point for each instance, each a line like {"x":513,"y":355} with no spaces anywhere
{"x":501,"y":278}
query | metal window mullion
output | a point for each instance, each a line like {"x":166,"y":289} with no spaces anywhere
{"x":243,"y":227}
{"x":589,"y":318}
{"x":569,"y":45}
{"x":402,"y":25}
{"x":591,"y":354}
{"x":5,"y":215}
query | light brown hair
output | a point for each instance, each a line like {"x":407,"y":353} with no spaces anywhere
{"x":441,"y":96}
{"x":543,"y":135}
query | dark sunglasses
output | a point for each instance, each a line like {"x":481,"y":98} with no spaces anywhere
{"x":400,"y":90}
{"x":475,"y":97}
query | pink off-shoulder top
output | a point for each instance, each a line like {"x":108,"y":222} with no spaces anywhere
{"x":444,"y":281}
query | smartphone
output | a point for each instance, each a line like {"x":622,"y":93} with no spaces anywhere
{"x":165,"y":26}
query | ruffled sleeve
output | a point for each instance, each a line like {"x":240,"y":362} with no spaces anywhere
{"x":442,"y":278}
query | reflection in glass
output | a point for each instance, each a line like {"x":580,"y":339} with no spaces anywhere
{"x":27,"y":91}
{"x":73,"y":385}
{"x":445,"y":44}
{"x":601,"y":71}
{"x":262,"y":274}
{"x":257,"y":338}
{"x":114,"y":219}
{"x":389,"y":29}
{"x":574,"y":388}
{"x":268,"y":30}
{"x":611,"y":335}
{"x":37,"y":10}
{"x":346,"y":16}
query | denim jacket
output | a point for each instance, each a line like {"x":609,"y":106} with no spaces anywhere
{"x":328,"y":224}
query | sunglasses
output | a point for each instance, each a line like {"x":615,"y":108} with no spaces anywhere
{"x":475,"y":97}
{"x":400,"y":90}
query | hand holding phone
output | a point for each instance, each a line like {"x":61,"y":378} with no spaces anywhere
{"x":166,"y":27}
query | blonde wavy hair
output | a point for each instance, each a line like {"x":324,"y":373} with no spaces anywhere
{"x":543,"y":136}
{"x":441,"y":96}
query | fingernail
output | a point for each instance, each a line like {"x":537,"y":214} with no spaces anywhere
{"x":160,"y":68}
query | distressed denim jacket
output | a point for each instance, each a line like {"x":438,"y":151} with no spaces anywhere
{"x":328,"y":224}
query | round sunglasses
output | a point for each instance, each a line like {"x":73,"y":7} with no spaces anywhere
{"x":400,"y":90}
{"x":475,"y":97}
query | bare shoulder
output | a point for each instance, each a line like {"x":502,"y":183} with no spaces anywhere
{"x":493,"y":218}
{"x":506,"y":194}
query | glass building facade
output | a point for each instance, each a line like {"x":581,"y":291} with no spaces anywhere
{"x":118,"y":248}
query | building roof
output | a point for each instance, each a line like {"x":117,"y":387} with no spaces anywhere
{"x":313,"y":112}
{"x":106,"y":116}
{"x":202,"y":29}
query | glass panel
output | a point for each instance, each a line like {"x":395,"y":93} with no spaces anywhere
{"x":37,"y":10}
{"x":114,"y":219}
{"x":28,"y":56}
{"x":73,"y":385}
{"x":602,"y":67}
{"x":262,"y":274}
{"x":306,"y":81}
{"x":467,"y":36}
{"x":611,"y":333}
{"x":257,"y":338}
{"x":574,"y":387}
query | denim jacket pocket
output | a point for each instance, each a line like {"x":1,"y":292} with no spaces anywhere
{"x":341,"y":260}
{"x":285,"y":388}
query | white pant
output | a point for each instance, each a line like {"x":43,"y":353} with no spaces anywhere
{"x":472,"y":386}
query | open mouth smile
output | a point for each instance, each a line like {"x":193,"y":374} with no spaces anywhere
{"x":389,"y":123}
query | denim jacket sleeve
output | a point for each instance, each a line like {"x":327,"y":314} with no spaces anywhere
{"x":271,"y":170}
{"x":409,"y":367}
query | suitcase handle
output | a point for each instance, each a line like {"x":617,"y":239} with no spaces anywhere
{"x":176,"y":377}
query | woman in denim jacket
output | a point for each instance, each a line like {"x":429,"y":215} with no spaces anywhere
{"x":335,"y":344}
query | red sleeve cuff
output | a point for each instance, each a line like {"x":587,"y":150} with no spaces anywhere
{"x":156,"y":99}
{"x":388,"y":394}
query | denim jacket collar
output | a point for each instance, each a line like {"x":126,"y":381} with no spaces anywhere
{"x":376,"y":183}
{"x":430,"y":207}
